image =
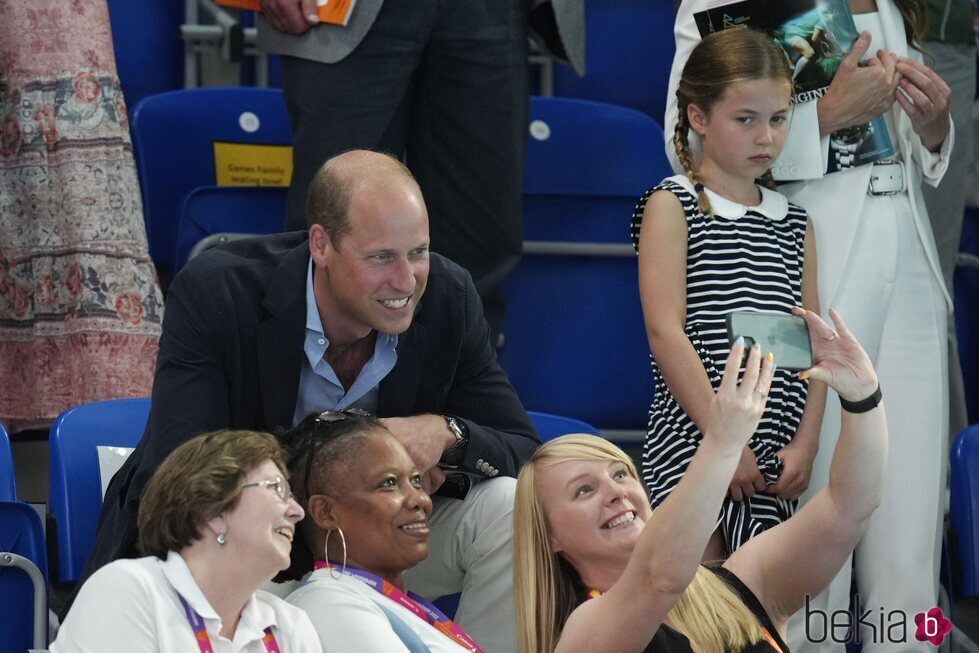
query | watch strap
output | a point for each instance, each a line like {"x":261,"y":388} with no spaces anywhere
{"x":864,"y":405}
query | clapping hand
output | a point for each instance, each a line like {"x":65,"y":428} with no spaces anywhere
{"x":924,"y":96}
{"x":859,"y":93}
{"x":838,"y":359}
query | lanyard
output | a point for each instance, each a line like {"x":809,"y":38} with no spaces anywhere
{"x":204,"y":642}
{"x":417,"y":605}
{"x":765,"y":635}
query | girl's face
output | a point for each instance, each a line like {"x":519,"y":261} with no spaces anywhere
{"x":743,"y":133}
{"x":595,"y":511}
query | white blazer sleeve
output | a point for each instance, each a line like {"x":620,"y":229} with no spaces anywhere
{"x":932,"y":164}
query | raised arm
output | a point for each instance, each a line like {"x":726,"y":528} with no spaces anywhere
{"x":800,"y":556}
{"x":668,"y":551}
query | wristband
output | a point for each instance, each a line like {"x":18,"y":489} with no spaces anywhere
{"x":863,"y":405}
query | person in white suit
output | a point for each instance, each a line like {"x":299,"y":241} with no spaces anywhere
{"x":878,"y":265}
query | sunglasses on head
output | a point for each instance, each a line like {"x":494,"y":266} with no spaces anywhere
{"x":326,"y":417}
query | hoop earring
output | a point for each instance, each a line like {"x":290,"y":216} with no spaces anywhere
{"x":326,"y":554}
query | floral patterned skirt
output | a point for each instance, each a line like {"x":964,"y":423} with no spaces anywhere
{"x":80,"y":306}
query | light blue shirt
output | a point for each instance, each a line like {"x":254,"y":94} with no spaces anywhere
{"x":319,"y":387}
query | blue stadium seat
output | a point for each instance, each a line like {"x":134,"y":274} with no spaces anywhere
{"x":964,"y":511}
{"x":552,"y":426}
{"x":575,"y":340}
{"x":967,"y":312}
{"x":173,"y":141}
{"x":149,"y":52}
{"x":227,"y":209}
{"x":8,"y":489}
{"x":629,"y":55}
{"x":23,"y":579}
{"x":76,"y":488}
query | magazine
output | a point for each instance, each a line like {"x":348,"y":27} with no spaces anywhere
{"x":815,"y":36}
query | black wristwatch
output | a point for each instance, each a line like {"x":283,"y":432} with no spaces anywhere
{"x":452,"y":457}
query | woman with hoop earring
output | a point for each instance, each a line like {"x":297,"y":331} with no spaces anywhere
{"x":367,"y":524}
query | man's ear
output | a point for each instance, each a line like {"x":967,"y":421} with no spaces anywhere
{"x":320,"y":245}
{"x":321,"y":509}
{"x":697,"y":119}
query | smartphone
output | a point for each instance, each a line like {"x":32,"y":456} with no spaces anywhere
{"x":785,"y":335}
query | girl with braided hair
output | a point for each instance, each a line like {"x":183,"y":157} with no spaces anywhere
{"x":715,"y":240}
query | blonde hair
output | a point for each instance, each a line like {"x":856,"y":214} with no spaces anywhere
{"x":720,"y":60}
{"x":548,"y":589}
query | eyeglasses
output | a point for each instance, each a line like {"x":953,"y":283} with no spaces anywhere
{"x":278,"y":485}
{"x":326,"y":417}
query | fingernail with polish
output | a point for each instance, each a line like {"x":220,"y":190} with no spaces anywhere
{"x":739,"y":341}
{"x":770,"y":356}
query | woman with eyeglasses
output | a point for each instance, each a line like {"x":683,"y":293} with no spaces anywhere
{"x":367,"y":523}
{"x":216,"y":522}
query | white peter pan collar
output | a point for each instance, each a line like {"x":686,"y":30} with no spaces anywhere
{"x":773,"y":206}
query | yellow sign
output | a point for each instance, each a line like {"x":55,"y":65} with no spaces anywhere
{"x":247,"y":164}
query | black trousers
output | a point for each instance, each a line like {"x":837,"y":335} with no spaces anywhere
{"x":443,"y":84}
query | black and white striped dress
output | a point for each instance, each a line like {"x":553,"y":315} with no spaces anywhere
{"x":742,"y":259}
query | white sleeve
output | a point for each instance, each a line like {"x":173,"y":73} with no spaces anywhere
{"x":346,"y":620}
{"x":687,"y":36}
{"x":933,"y":164}
{"x":113,"y":613}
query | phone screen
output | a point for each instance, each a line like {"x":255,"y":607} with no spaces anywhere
{"x":786,"y":336}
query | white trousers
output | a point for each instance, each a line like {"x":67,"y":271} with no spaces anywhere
{"x":471,"y":550}
{"x":893,"y":303}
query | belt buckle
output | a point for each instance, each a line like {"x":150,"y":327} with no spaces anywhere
{"x":877,"y":178}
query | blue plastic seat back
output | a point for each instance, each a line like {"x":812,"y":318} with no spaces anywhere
{"x":8,"y":489}
{"x":173,"y":143}
{"x":575,"y":340}
{"x":20,"y":533}
{"x":76,"y":487}
{"x":628,"y":58}
{"x":967,"y":313}
{"x":964,"y":511}
{"x":552,"y":426}
{"x":236,"y":209}
{"x":149,"y":52}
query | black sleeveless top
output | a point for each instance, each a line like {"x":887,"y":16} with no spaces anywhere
{"x":667,"y":640}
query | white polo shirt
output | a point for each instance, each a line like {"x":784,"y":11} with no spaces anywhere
{"x":132,"y":606}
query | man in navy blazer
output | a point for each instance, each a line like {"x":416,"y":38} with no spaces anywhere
{"x":390,"y":328}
